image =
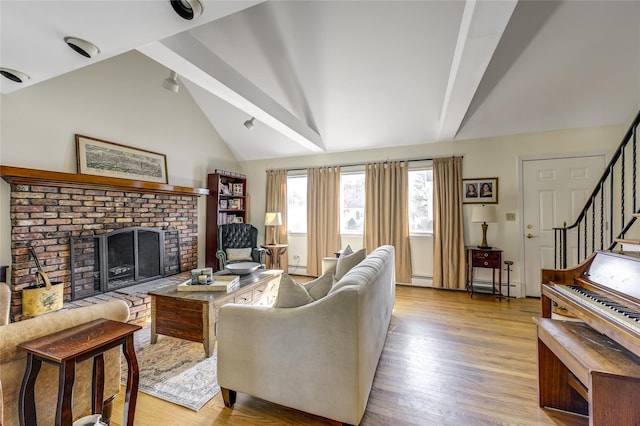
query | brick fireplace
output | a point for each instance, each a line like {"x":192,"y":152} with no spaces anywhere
{"x":49,"y":214}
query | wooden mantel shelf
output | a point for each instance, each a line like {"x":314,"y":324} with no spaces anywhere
{"x":23,"y":176}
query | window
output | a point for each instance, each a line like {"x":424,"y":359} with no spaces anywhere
{"x":420,"y":196}
{"x":352,"y":203}
{"x":420,"y":201}
{"x":297,"y":204}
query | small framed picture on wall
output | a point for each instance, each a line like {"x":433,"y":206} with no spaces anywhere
{"x":480,"y":191}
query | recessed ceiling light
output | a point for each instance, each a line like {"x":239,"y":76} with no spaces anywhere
{"x":187,"y":9}
{"x":83,"y":47}
{"x":14,"y":75}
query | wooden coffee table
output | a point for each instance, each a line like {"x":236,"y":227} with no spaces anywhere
{"x":193,"y":315}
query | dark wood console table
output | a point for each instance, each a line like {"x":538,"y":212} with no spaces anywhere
{"x":68,"y":347}
{"x":484,"y":258}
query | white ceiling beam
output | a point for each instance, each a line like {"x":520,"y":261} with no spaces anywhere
{"x":185,"y":55}
{"x":483,"y":23}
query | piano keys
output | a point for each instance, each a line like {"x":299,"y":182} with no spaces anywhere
{"x":592,"y":367}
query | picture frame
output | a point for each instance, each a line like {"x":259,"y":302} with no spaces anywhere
{"x":237,"y":189}
{"x":103,"y":158}
{"x":238,"y":219}
{"x":234,"y":204}
{"x":224,"y":189}
{"x":480,"y":191}
{"x":223,"y":205}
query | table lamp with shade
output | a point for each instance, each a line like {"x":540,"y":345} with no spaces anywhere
{"x":273,"y":219}
{"x":483,"y":214}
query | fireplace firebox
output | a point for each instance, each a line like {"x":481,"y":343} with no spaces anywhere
{"x":118,"y":259}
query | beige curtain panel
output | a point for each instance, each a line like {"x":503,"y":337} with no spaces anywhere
{"x":323,"y":216}
{"x":277,"y":202}
{"x":448,"y":228}
{"x":386,"y":213}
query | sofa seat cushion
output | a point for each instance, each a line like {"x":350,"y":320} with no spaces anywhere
{"x":292,"y":294}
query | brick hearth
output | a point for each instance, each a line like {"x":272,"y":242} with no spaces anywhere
{"x":47,"y":215}
{"x":135,"y":296}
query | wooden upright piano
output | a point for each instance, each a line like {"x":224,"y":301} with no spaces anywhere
{"x":592,"y":366}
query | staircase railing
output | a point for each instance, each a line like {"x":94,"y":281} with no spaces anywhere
{"x":610,"y":211}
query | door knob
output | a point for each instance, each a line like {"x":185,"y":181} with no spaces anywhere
{"x":530,"y":236}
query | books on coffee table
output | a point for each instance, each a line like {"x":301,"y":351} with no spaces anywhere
{"x":220,"y":283}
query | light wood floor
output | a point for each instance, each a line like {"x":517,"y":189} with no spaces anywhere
{"x":448,"y":360}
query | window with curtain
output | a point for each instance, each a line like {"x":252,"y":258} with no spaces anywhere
{"x":297,"y":204}
{"x":352,"y":203}
{"x":420,"y":188}
{"x":420,"y":200}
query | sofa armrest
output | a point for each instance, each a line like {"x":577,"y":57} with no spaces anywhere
{"x":5,"y":303}
{"x":258,"y":256}
{"x":13,"y":362}
{"x":222,"y":259}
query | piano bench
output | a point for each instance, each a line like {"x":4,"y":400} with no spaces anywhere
{"x":585,"y":372}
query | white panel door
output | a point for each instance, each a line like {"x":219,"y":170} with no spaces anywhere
{"x":554,"y":192}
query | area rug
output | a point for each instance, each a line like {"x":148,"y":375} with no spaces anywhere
{"x":175,"y":370}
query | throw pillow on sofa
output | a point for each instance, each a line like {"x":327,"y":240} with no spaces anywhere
{"x":292,"y":294}
{"x":319,"y":287}
{"x":239,"y":254}
{"x":346,"y":262}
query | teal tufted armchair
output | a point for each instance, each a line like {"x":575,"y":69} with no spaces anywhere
{"x":238,"y":236}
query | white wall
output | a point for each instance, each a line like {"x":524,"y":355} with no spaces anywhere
{"x":490,"y":157}
{"x":119,"y":100}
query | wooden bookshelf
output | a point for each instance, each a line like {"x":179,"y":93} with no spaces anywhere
{"x":226,"y":203}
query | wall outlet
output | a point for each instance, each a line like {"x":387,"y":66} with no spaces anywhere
{"x":296,"y":257}
{"x":511,"y":217}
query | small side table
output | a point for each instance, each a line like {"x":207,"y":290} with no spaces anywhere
{"x":275,"y":251}
{"x":485,"y":258}
{"x":68,"y":347}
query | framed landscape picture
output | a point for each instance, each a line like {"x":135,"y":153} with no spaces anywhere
{"x":103,"y":158}
{"x":480,"y":191}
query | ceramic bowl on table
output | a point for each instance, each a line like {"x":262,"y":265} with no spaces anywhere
{"x":242,"y":268}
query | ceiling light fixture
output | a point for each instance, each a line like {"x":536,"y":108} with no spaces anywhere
{"x":83,"y":47}
{"x":170,"y":83}
{"x":250,"y":123}
{"x":14,"y":75}
{"x":187,"y":9}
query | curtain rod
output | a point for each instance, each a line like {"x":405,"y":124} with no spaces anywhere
{"x":364,"y":164}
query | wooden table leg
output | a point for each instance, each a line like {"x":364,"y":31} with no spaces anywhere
{"x":27,"y":402}
{"x":133,"y":377}
{"x":97,"y":384}
{"x":154,"y":335}
{"x":67,"y":375}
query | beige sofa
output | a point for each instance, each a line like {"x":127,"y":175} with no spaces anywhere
{"x":13,"y":361}
{"x":319,"y":358}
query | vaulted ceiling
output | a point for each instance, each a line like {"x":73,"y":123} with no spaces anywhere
{"x":330,"y":76}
